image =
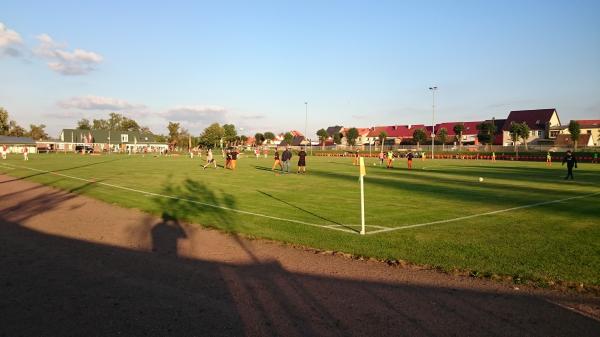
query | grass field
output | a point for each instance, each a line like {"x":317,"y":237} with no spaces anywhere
{"x":522,"y":221}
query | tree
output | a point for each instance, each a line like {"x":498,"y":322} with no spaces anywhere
{"x":524,"y":133}
{"x":575,"y":131}
{"x":443,"y":137}
{"x":15,"y":130}
{"x":84,"y":124}
{"x":161,"y":138}
{"x":212,"y":135}
{"x":37,"y":132}
{"x":145,"y":129}
{"x":114,"y":120}
{"x":351,"y":136}
{"x":419,"y":136}
{"x":515,"y":134}
{"x":288,"y":138}
{"x":322,"y":135}
{"x":4,"y":122}
{"x":382,"y":137}
{"x":486,"y":132}
{"x":100,"y":124}
{"x":229,"y":133}
{"x":270,"y":136}
{"x":243,"y":139}
{"x":259,"y":138}
{"x":173,"y":133}
{"x":128,"y":124}
{"x":458,"y":131}
{"x":337,"y":138}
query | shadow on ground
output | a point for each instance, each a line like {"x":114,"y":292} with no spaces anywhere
{"x":52,"y":285}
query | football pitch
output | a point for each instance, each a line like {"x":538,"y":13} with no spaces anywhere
{"x":522,"y":221}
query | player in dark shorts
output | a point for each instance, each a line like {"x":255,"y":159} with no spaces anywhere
{"x":277,"y":161}
{"x":301,"y":161}
{"x":228,"y":159}
{"x":233,"y":162}
{"x":571,"y":161}
{"x":409,"y":158}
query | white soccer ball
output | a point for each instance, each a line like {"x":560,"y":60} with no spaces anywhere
{"x":480,"y":179}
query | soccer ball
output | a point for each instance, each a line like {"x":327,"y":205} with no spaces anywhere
{"x":480,"y":179}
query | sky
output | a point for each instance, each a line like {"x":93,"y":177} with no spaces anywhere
{"x":256,"y":63}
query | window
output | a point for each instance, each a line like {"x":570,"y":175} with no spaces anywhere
{"x":589,"y":132}
{"x":124,"y":138}
{"x":540,"y":133}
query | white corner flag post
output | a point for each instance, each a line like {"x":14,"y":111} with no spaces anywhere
{"x":363,"y":172}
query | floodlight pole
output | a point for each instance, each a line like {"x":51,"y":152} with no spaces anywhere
{"x":433,"y":90}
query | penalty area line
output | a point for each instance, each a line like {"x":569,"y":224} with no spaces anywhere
{"x":484,"y":214}
{"x":146,"y":193}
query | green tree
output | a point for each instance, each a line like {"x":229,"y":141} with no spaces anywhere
{"x":458,"y":131}
{"x":84,"y":124}
{"x":114,"y":120}
{"x":270,"y":136}
{"x":337,"y":138}
{"x":259,"y":138}
{"x":382,"y":137}
{"x":288,"y":137}
{"x":173,"y":133}
{"x":419,"y":136}
{"x":4,"y":122}
{"x":524,"y":132}
{"x":37,"y":132}
{"x":229,"y":133}
{"x":161,"y":138}
{"x":212,"y":135}
{"x":515,"y":134}
{"x":15,"y":130}
{"x":100,"y":124}
{"x":486,"y":132}
{"x":243,"y":139}
{"x":442,"y":135}
{"x":145,"y":130}
{"x":351,"y":136}
{"x":575,"y":131}
{"x":322,"y":135}
{"x":128,"y":124}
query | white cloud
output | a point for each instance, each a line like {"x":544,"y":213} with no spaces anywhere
{"x":77,"y":62}
{"x":197,"y":113}
{"x":10,"y":42}
{"x":91,"y":102}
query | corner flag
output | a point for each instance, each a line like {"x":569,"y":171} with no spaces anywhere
{"x":363,"y":172}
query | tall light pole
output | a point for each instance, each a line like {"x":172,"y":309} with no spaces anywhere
{"x":433,"y":90}
{"x":305,"y":119}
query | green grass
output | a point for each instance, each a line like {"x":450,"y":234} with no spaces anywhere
{"x":552,"y":242}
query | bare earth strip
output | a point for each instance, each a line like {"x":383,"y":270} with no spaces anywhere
{"x":72,"y":265}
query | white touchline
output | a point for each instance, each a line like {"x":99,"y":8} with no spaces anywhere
{"x":146,"y":193}
{"x":483,"y":214}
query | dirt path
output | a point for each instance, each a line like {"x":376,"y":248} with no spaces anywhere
{"x":72,"y":265}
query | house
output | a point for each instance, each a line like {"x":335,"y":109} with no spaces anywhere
{"x":103,"y":140}
{"x":17,"y":144}
{"x":539,"y":121}
{"x":564,"y":140}
{"x":587,"y":126}
{"x":395,"y":134}
{"x":469,"y":134}
{"x":363,"y":136}
{"x":332,"y":130}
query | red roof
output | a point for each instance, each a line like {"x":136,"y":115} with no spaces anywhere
{"x":535,"y":119}
{"x":392,"y":131}
{"x":589,"y":123}
{"x":361,"y":131}
{"x":470,"y":127}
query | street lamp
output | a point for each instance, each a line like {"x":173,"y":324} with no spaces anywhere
{"x":433,"y":90}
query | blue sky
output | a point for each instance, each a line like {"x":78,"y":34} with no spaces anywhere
{"x":254,"y":64}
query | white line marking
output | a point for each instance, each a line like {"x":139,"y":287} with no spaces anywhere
{"x":146,"y":193}
{"x":483,"y":214}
